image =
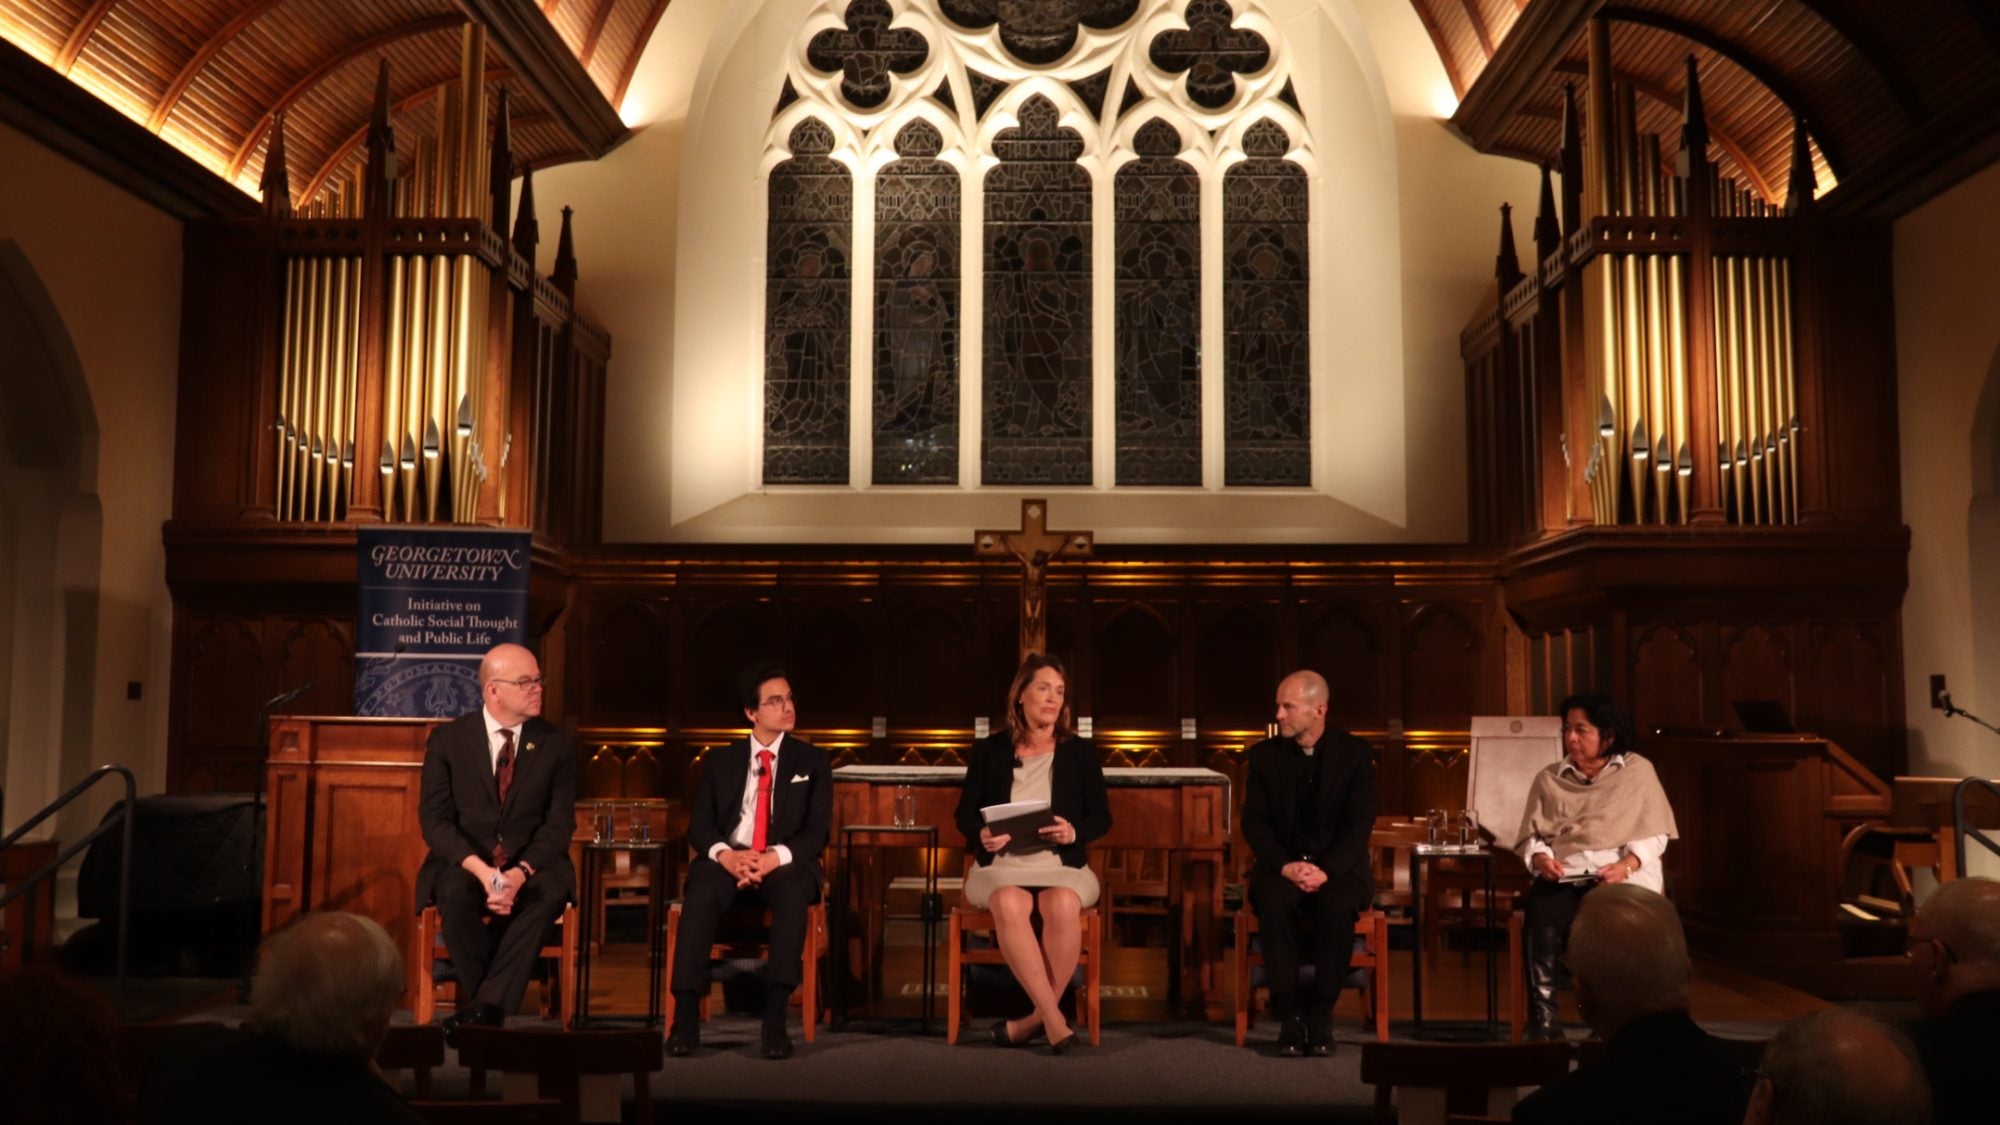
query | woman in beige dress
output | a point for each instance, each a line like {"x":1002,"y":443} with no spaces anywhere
{"x":1038,"y":757}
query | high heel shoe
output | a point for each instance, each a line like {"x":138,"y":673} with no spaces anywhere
{"x":1001,"y":1038}
{"x":1058,"y":1046}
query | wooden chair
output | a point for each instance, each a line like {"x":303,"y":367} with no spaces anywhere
{"x":1371,"y":955}
{"x":560,"y":1060}
{"x":561,"y":952}
{"x":965,"y":920}
{"x":417,"y":1048}
{"x":739,"y":936}
{"x":541,"y":1111}
{"x":1427,"y":1081}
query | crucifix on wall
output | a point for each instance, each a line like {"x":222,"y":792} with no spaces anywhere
{"x":1034,"y":546}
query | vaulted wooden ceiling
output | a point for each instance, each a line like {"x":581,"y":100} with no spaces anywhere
{"x":209,"y":76}
{"x":1900,"y":97}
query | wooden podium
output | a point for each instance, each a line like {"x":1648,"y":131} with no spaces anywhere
{"x":340,"y":824}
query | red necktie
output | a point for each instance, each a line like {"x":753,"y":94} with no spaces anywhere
{"x":503,"y":775}
{"x":761,"y":832}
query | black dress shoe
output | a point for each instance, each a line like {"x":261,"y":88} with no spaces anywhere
{"x":1001,"y":1038}
{"x":1319,"y":1035}
{"x":472,"y":1015}
{"x":1058,"y":1046}
{"x":1291,"y":1038}
{"x":683,"y":1041}
{"x":777,"y":1044}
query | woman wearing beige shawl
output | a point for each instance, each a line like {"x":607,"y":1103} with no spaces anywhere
{"x":1597,"y":816}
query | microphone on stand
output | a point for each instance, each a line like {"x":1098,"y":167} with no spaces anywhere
{"x":1944,"y":699}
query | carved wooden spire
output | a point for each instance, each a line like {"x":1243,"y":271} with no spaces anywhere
{"x":565,"y":276}
{"x":1507,"y":263}
{"x":1572,"y":162}
{"x":381,"y":151}
{"x":527,"y":232}
{"x":1694,"y":127}
{"x":1804,"y":182}
{"x":1548,"y":236}
{"x":500,"y":169}
{"x":276,"y":184}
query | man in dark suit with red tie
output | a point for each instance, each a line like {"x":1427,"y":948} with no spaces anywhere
{"x":759,"y":822}
{"x":1308,"y":806}
{"x":497,"y":807}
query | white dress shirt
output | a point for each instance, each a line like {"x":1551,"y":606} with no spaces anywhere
{"x":1648,"y":849}
{"x":493,"y":741}
{"x":746,"y":820}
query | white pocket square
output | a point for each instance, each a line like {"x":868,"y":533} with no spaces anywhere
{"x":796,"y":778}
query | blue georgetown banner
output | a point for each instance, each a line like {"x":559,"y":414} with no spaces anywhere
{"x":433,"y":600}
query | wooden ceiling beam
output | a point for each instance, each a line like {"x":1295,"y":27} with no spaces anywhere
{"x":1540,"y":37}
{"x":638,"y":51}
{"x":1431,"y":29}
{"x":68,"y":119}
{"x":1479,"y":29}
{"x":1672,"y":101}
{"x":551,"y":73}
{"x":157,"y":120}
{"x":1755,"y":66}
{"x":1925,"y":162}
{"x":328,"y":66}
{"x":1870,"y":53}
{"x":79,"y":36}
{"x":587,"y":50}
{"x":346,"y":148}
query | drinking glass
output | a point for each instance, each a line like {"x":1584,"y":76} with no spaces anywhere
{"x":905,"y":813}
{"x":642,"y":829}
{"x":600,"y":822}
{"x":1434,"y":827}
{"x":1468,"y":829}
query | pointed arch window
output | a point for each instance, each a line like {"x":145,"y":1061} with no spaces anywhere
{"x":1084,"y":248}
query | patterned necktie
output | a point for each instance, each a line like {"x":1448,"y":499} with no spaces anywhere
{"x":761,"y":832}
{"x":503,"y":775}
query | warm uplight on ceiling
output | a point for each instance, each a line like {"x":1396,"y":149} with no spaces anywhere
{"x":1444,"y":101}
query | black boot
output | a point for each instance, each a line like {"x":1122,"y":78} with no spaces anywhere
{"x":684,"y":1038}
{"x":1545,"y":950}
{"x":777,"y":1043}
{"x":1291,"y":1028}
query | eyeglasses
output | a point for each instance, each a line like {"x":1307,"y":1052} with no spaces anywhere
{"x":525,"y":683}
{"x":778,"y":701}
{"x":1910,"y":948}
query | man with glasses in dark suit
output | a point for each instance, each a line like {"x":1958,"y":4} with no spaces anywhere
{"x":497,"y":808}
{"x":758,"y":824}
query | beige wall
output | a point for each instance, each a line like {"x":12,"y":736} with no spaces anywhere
{"x":111,"y":267}
{"x":1405,"y":217}
{"x":1948,"y":361}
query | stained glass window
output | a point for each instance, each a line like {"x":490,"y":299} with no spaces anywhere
{"x":916,"y":313}
{"x":1158,"y":394}
{"x":1038,"y":31}
{"x":1266,"y":374}
{"x":1211,"y":52}
{"x":806,"y":283}
{"x":867,"y":51}
{"x":1036,"y":401}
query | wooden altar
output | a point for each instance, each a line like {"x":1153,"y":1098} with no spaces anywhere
{"x":1185,"y":812}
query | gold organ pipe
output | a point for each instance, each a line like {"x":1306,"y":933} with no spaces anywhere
{"x":410,"y":429}
{"x":1753,"y":387}
{"x":1677,"y":380}
{"x":315,"y":384}
{"x":1776,"y":378}
{"x":437,"y":383}
{"x":1788,"y":408}
{"x":395,"y":372}
{"x":287,"y":397}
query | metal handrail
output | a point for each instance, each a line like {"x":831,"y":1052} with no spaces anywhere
{"x":124,"y":820}
{"x":1958,"y":818}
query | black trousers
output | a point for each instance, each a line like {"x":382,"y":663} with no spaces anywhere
{"x":493,"y":959}
{"x":1283,"y":914}
{"x":712,"y":892}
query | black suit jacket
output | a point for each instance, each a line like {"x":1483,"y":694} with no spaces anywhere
{"x":1076,"y":793}
{"x":459,"y":806}
{"x":1958,"y":1049}
{"x":1660,"y":1069}
{"x":1337,"y":839}
{"x":801,"y":798}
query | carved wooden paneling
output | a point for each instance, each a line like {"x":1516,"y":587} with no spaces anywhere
{"x":631,"y":662}
{"x":1757,"y":663}
{"x":1668,"y":683}
{"x":727,"y":636}
{"x":225,"y":674}
{"x":1442,"y":675}
{"x":1854,"y":690}
{"x":320,"y":652}
{"x":831,"y":659}
{"x":1135,"y":673}
{"x":1347,"y":649}
{"x":935,"y":674}
{"x":1236,"y":666}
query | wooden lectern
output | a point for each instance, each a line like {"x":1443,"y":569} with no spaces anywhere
{"x":340,"y":824}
